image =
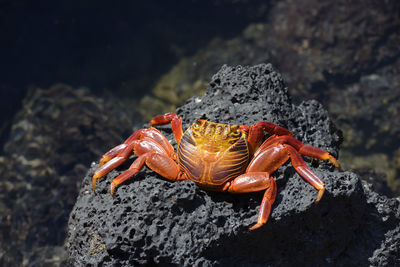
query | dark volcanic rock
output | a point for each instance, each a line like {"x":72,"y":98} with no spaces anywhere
{"x":153,"y":221}
{"x":53,"y":138}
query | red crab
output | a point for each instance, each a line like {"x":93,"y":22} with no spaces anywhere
{"x":216,"y":156}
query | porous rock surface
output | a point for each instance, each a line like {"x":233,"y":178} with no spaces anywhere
{"x":153,"y":221}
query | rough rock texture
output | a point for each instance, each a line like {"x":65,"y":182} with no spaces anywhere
{"x":153,"y":221}
{"x":343,"y":53}
{"x":53,"y":138}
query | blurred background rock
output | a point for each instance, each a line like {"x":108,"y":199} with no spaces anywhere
{"x":53,"y":139}
{"x":139,"y":59}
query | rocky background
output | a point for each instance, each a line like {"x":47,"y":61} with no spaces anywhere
{"x":52,"y":142}
{"x":345,"y":54}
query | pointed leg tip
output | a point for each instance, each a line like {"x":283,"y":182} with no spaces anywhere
{"x":320,"y":194}
{"x":256,"y":226}
{"x":94,"y":188}
{"x":95,"y":177}
{"x":112,"y":189}
{"x":334,"y":162}
{"x":104,"y":160}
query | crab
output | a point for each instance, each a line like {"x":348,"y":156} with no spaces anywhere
{"x":219,"y":157}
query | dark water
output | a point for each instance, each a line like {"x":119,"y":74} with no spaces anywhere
{"x":102,"y":46}
{"x":346,"y":56}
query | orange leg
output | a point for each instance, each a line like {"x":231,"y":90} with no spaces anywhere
{"x":302,"y":169}
{"x":273,"y":128}
{"x":257,"y":176}
{"x":256,"y":181}
{"x":158,"y":162}
{"x":256,"y":135}
{"x":303,"y":149}
{"x":176,"y":124}
{"x":112,"y":154}
{"x":270,"y":158}
{"x":119,"y":156}
{"x":257,"y":132}
{"x":140,"y":142}
{"x":152,"y":133}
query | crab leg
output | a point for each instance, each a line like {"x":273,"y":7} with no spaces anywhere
{"x":176,"y":124}
{"x":301,"y":168}
{"x":273,"y":128}
{"x":256,"y":135}
{"x":256,"y":181}
{"x":281,"y":135}
{"x":303,"y":149}
{"x":257,"y":176}
{"x":158,"y":162}
{"x":271,"y":158}
{"x":118,"y":150}
{"x":257,"y":132}
{"x":119,"y":156}
{"x":112,"y":154}
{"x":140,"y":142}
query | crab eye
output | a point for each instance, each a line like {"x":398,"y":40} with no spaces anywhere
{"x":197,"y":124}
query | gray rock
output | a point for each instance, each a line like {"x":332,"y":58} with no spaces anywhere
{"x":153,"y":221}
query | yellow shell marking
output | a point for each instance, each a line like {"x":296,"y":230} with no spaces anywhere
{"x":214,"y":137}
{"x":212,"y":153}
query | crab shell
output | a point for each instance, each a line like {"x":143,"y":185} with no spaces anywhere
{"x":212,"y":153}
